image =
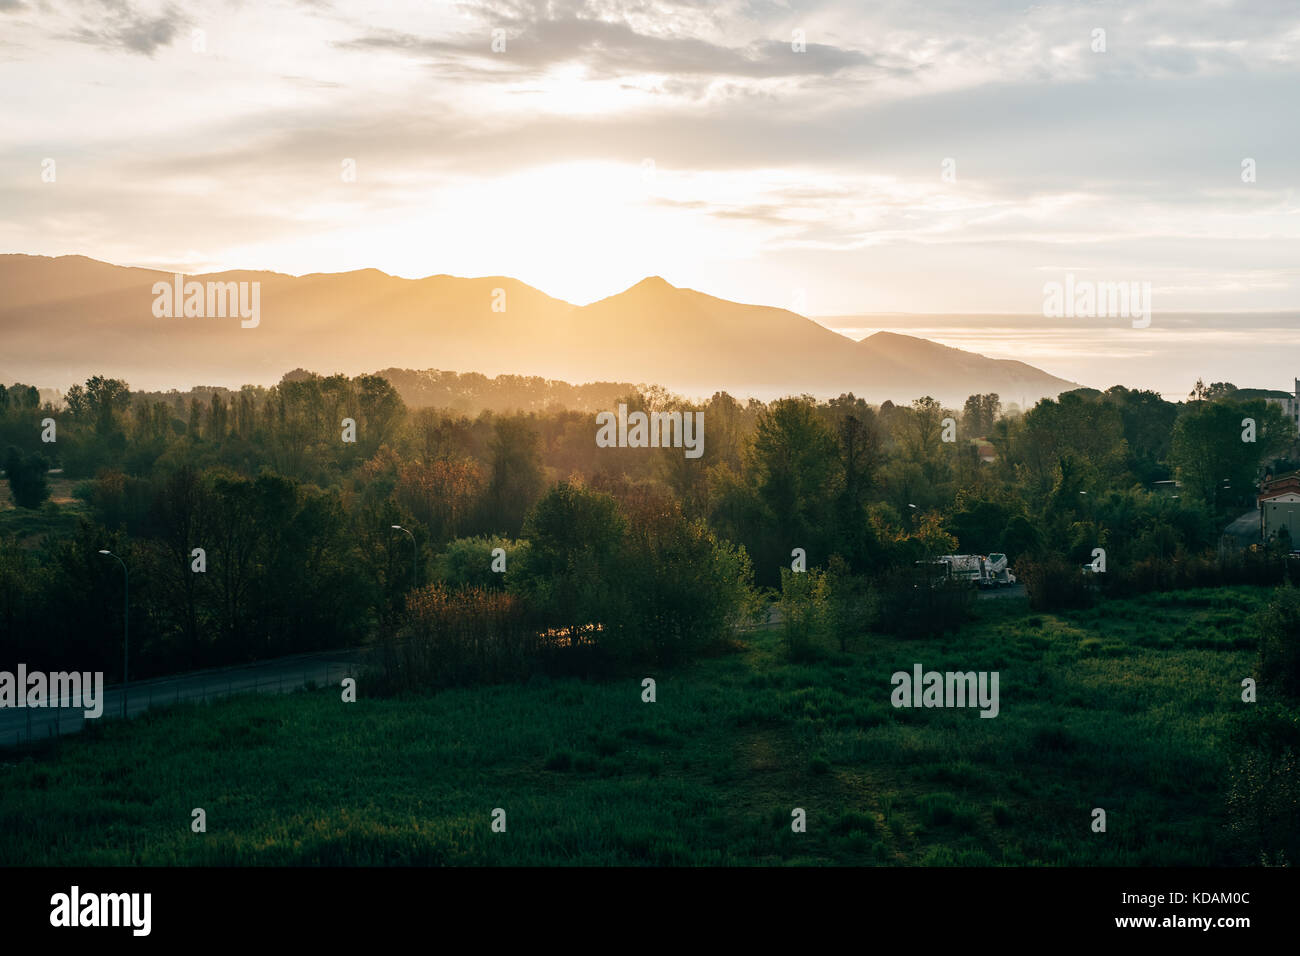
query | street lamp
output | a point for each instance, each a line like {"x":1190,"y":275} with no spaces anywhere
{"x":415,"y":556}
{"x":126,"y":624}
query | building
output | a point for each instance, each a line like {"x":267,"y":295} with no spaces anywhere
{"x":1168,"y":489}
{"x":1290,"y":403}
{"x":1279,"y":507}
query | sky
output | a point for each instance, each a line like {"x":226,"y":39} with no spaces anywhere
{"x":1255,"y":350}
{"x":949,"y":156}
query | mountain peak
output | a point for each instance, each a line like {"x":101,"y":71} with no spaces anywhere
{"x":684,"y":340}
{"x":654,"y":284}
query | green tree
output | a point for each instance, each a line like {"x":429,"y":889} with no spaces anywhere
{"x":106,"y":399}
{"x":515,"y":474}
{"x":575,"y":537}
{"x":793,"y":467}
{"x":1148,"y":423}
{"x":1212,"y":460}
{"x":27,"y":474}
{"x":1077,"y":427}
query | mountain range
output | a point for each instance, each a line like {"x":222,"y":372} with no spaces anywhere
{"x":64,"y":319}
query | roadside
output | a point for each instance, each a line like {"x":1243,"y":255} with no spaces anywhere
{"x":20,"y":725}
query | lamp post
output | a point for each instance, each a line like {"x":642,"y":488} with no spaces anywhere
{"x":415,"y":556}
{"x":126,"y":625}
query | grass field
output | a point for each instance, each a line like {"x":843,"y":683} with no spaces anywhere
{"x":1122,"y":707}
{"x":31,"y":527}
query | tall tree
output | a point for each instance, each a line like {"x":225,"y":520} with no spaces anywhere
{"x":515,"y":474}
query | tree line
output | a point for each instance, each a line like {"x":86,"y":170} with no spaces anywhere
{"x":642,"y":553}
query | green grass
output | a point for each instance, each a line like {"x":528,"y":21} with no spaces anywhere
{"x":1122,"y":706}
{"x":31,"y":526}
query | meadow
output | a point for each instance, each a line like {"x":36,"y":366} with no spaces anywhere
{"x":1124,"y":706}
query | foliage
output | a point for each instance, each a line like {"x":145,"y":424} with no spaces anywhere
{"x":914,"y":602}
{"x":468,"y":562}
{"x":1053,"y":583}
{"x":1279,"y":644}
{"x":805,"y":612}
{"x":27,"y":478}
{"x":1262,"y":796}
{"x":461,"y":636}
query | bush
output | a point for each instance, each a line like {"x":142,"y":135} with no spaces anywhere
{"x":1279,"y":643}
{"x":467,"y":562}
{"x":681,"y":590}
{"x":1053,"y":583}
{"x":27,"y":476}
{"x":1258,"y":565}
{"x":634,"y":586}
{"x":849,"y":602}
{"x":909,"y":603}
{"x":575,"y":540}
{"x":1263,"y":793}
{"x":805,"y":612}
{"x":944,"y":809}
{"x":459,"y":637}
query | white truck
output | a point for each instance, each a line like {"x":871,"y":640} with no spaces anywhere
{"x":998,"y":572}
{"x":984,"y":571}
{"x":964,"y":567}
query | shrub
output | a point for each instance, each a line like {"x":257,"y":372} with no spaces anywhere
{"x":854,"y":821}
{"x":1279,"y":643}
{"x":27,"y":478}
{"x":909,"y":603}
{"x":943,"y":809}
{"x":849,"y":602}
{"x":680,"y":589}
{"x":467,"y":562}
{"x":575,"y":538}
{"x":633,"y":583}
{"x":805,"y":612}
{"x":1263,"y":793}
{"x":1053,"y":583}
{"x":459,"y":637}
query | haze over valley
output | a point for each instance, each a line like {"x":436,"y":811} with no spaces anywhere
{"x":689,"y":342}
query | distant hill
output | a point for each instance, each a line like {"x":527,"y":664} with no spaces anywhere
{"x":64,"y":319}
{"x":471,"y":393}
{"x":467,"y":393}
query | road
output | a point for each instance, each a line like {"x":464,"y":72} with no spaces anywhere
{"x":1011,"y":591}
{"x":282,"y":675}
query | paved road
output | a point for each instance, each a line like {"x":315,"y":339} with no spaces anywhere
{"x":1011,"y":591}
{"x":282,"y":675}
{"x":285,"y":674}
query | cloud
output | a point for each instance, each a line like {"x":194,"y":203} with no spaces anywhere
{"x":610,"y":49}
{"x":817,"y":162}
{"x":116,"y":25}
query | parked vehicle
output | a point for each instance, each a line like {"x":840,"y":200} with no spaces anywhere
{"x":983,"y":571}
{"x":999,"y":573}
